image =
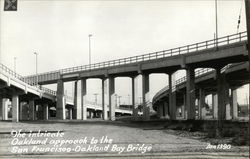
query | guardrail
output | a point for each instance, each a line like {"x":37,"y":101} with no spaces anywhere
{"x":5,"y":69}
{"x":226,"y":40}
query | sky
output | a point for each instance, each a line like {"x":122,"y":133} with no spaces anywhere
{"x":58,"y":31}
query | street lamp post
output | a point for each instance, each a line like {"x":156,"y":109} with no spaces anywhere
{"x":36,"y":68}
{"x":15,"y":64}
{"x":90,"y":35}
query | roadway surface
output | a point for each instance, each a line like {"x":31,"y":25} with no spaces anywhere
{"x":165,"y":144}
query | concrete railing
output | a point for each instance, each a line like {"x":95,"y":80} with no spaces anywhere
{"x":198,"y":73}
{"x":13,"y":74}
{"x":226,"y":40}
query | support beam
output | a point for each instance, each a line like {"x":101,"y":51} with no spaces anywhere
{"x":60,"y":103}
{"x":190,"y":93}
{"x":15,"y":108}
{"x":104,"y":107}
{"x":145,"y":96}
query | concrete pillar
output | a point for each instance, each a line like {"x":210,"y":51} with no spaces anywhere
{"x":234,"y":104}
{"x":201,"y":103}
{"x":190,"y":93}
{"x":135,"y":96}
{"x":15,"y":108}
{"x":104,"y":107}
{"x":165,"y":111}
{"x":70,"y":114}
{"x":46,"y":111}
{"x":80,"y":108}
{"x":83,"y":98}
{"x":20,"y":111}
{"x":172,"y":98}
{"x":215,"y":106}
{"x":60,"y":103}
{"x":111,"y":97}
{"x":77,"y":101}
{"x":2,"y":109}
{"x":31,"y":110}
{"x":221,"y":95}
{"x":185,"y":106}
{"x":145,"y":96}
{"x":160,"y":110}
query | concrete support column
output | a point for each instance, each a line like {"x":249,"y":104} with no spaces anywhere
{"x":215,"y":106}
{"x":145,"y":96}
{"x":201,"y":103}
{"x":234,"y":104}
{"x":135,"y":96}
{"x":77,"y":113}
{"x":60,"y":103}
{"x":111,"y":95}
{"x":83,"y":98}
{"x":104,"y":107}
{"x":185,"y":106}
{"x":2,"y":108}
{"x":190,"y":93}
{"x":15,"y":108}
{"x":70,"y":114}
{"x":20,"y":111}
{"x":172,"y":98}
{"x":221,"y":95}
{"x":46,"y":111}
{"x":80,"y":109}
{"x":165,"y":112}
{"x":31,"y":110}
{"x":160,"y":111}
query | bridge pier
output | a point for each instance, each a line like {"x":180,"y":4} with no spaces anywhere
{"x":134,"y":97}
{"x":165,"y":110}
{"x":104,"y":107}
{"x":171,"y":98}
{"x":215,"y":105}
{"x":111,"y":97}
{"x":221,"y":91}
{"x":4,"y":108}
{"x":15,"y":108}
{"x":234,"y":104}
{"x":46,"y":111}
{"x":201,"y":103}
{"x":145,"y":96}
{"x":60,"y":103}
{"x":31,"y":110}
{"x":80,"y":109}
{"x":190,"y":93}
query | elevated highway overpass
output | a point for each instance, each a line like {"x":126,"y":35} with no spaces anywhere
{"x":215,"y":53}
{"x":235,"y":75}
{"x":25,"y":95}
